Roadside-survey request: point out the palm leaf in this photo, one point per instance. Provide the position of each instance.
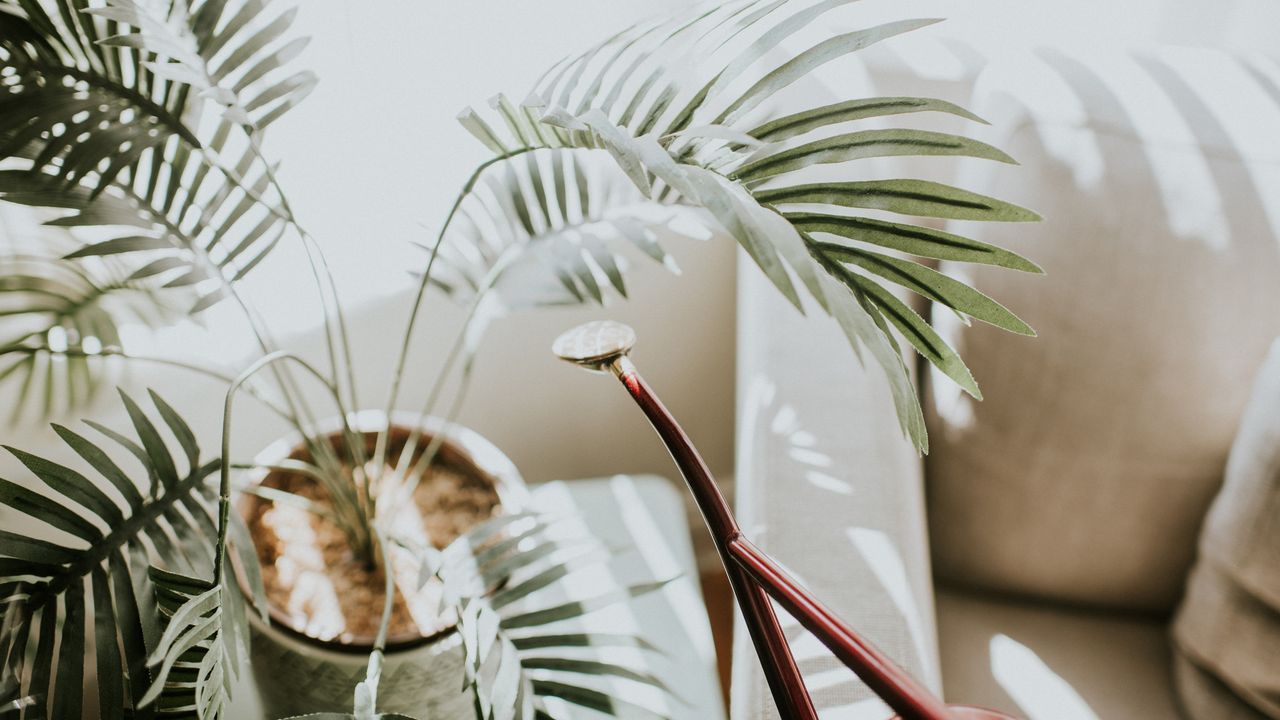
(192, 663)
(518, 647)
(550, 228)
(12, 701)
(84, 566)
(57, 317)
(700, 137)
(109, 119)
(103, 126)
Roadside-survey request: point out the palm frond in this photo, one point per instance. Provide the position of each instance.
(194, 661)
(108, 114)
(351, 716)
(12, 702)
(83, 568)
(521, 647)
(683, 106)
(60, 320)
(550, 228)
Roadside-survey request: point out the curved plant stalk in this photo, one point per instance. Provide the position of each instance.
(410, 479)
(365, 702)
(195, 655)
(334, 319)
(566, 222)
(402, 358)
(408, 472)
(353, 504)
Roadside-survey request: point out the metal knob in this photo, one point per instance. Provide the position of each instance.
(595, 345)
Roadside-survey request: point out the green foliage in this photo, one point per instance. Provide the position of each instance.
(554, 216)
(148, 125)
(195, 659)
(677, 106)
(60, 321)
(142, 130)
(82, 564)
(523, 648)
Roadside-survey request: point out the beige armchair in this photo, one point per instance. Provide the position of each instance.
(1031, 563)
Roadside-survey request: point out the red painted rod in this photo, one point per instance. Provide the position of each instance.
(753, 575)
(902, 693)
(779, 665)
(897, 688)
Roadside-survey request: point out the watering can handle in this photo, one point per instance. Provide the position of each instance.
(753, 575)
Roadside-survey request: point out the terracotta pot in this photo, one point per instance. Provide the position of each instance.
(421, 675)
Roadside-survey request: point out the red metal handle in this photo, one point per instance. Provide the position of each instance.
(898, 689)
(753, 575)
(779, 665)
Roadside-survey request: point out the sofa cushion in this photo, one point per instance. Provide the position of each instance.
(1045, 662)
(1202, 695)
(1085, 473)
(1228, 626)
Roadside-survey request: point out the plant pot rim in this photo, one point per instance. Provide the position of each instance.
(466, 444)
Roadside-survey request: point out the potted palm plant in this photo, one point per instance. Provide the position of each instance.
(139, 130)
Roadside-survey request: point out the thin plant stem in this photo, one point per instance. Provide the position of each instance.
(437, 441)
(415, 434)
(393, 393)
(388, 602)
(334, 319)
(301, 411)
(320, 451)
(364, 543)
(284, 212)
(419, 467)
(373, 670)
(257, 325)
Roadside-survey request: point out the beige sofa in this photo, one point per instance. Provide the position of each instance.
(1032, 561)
